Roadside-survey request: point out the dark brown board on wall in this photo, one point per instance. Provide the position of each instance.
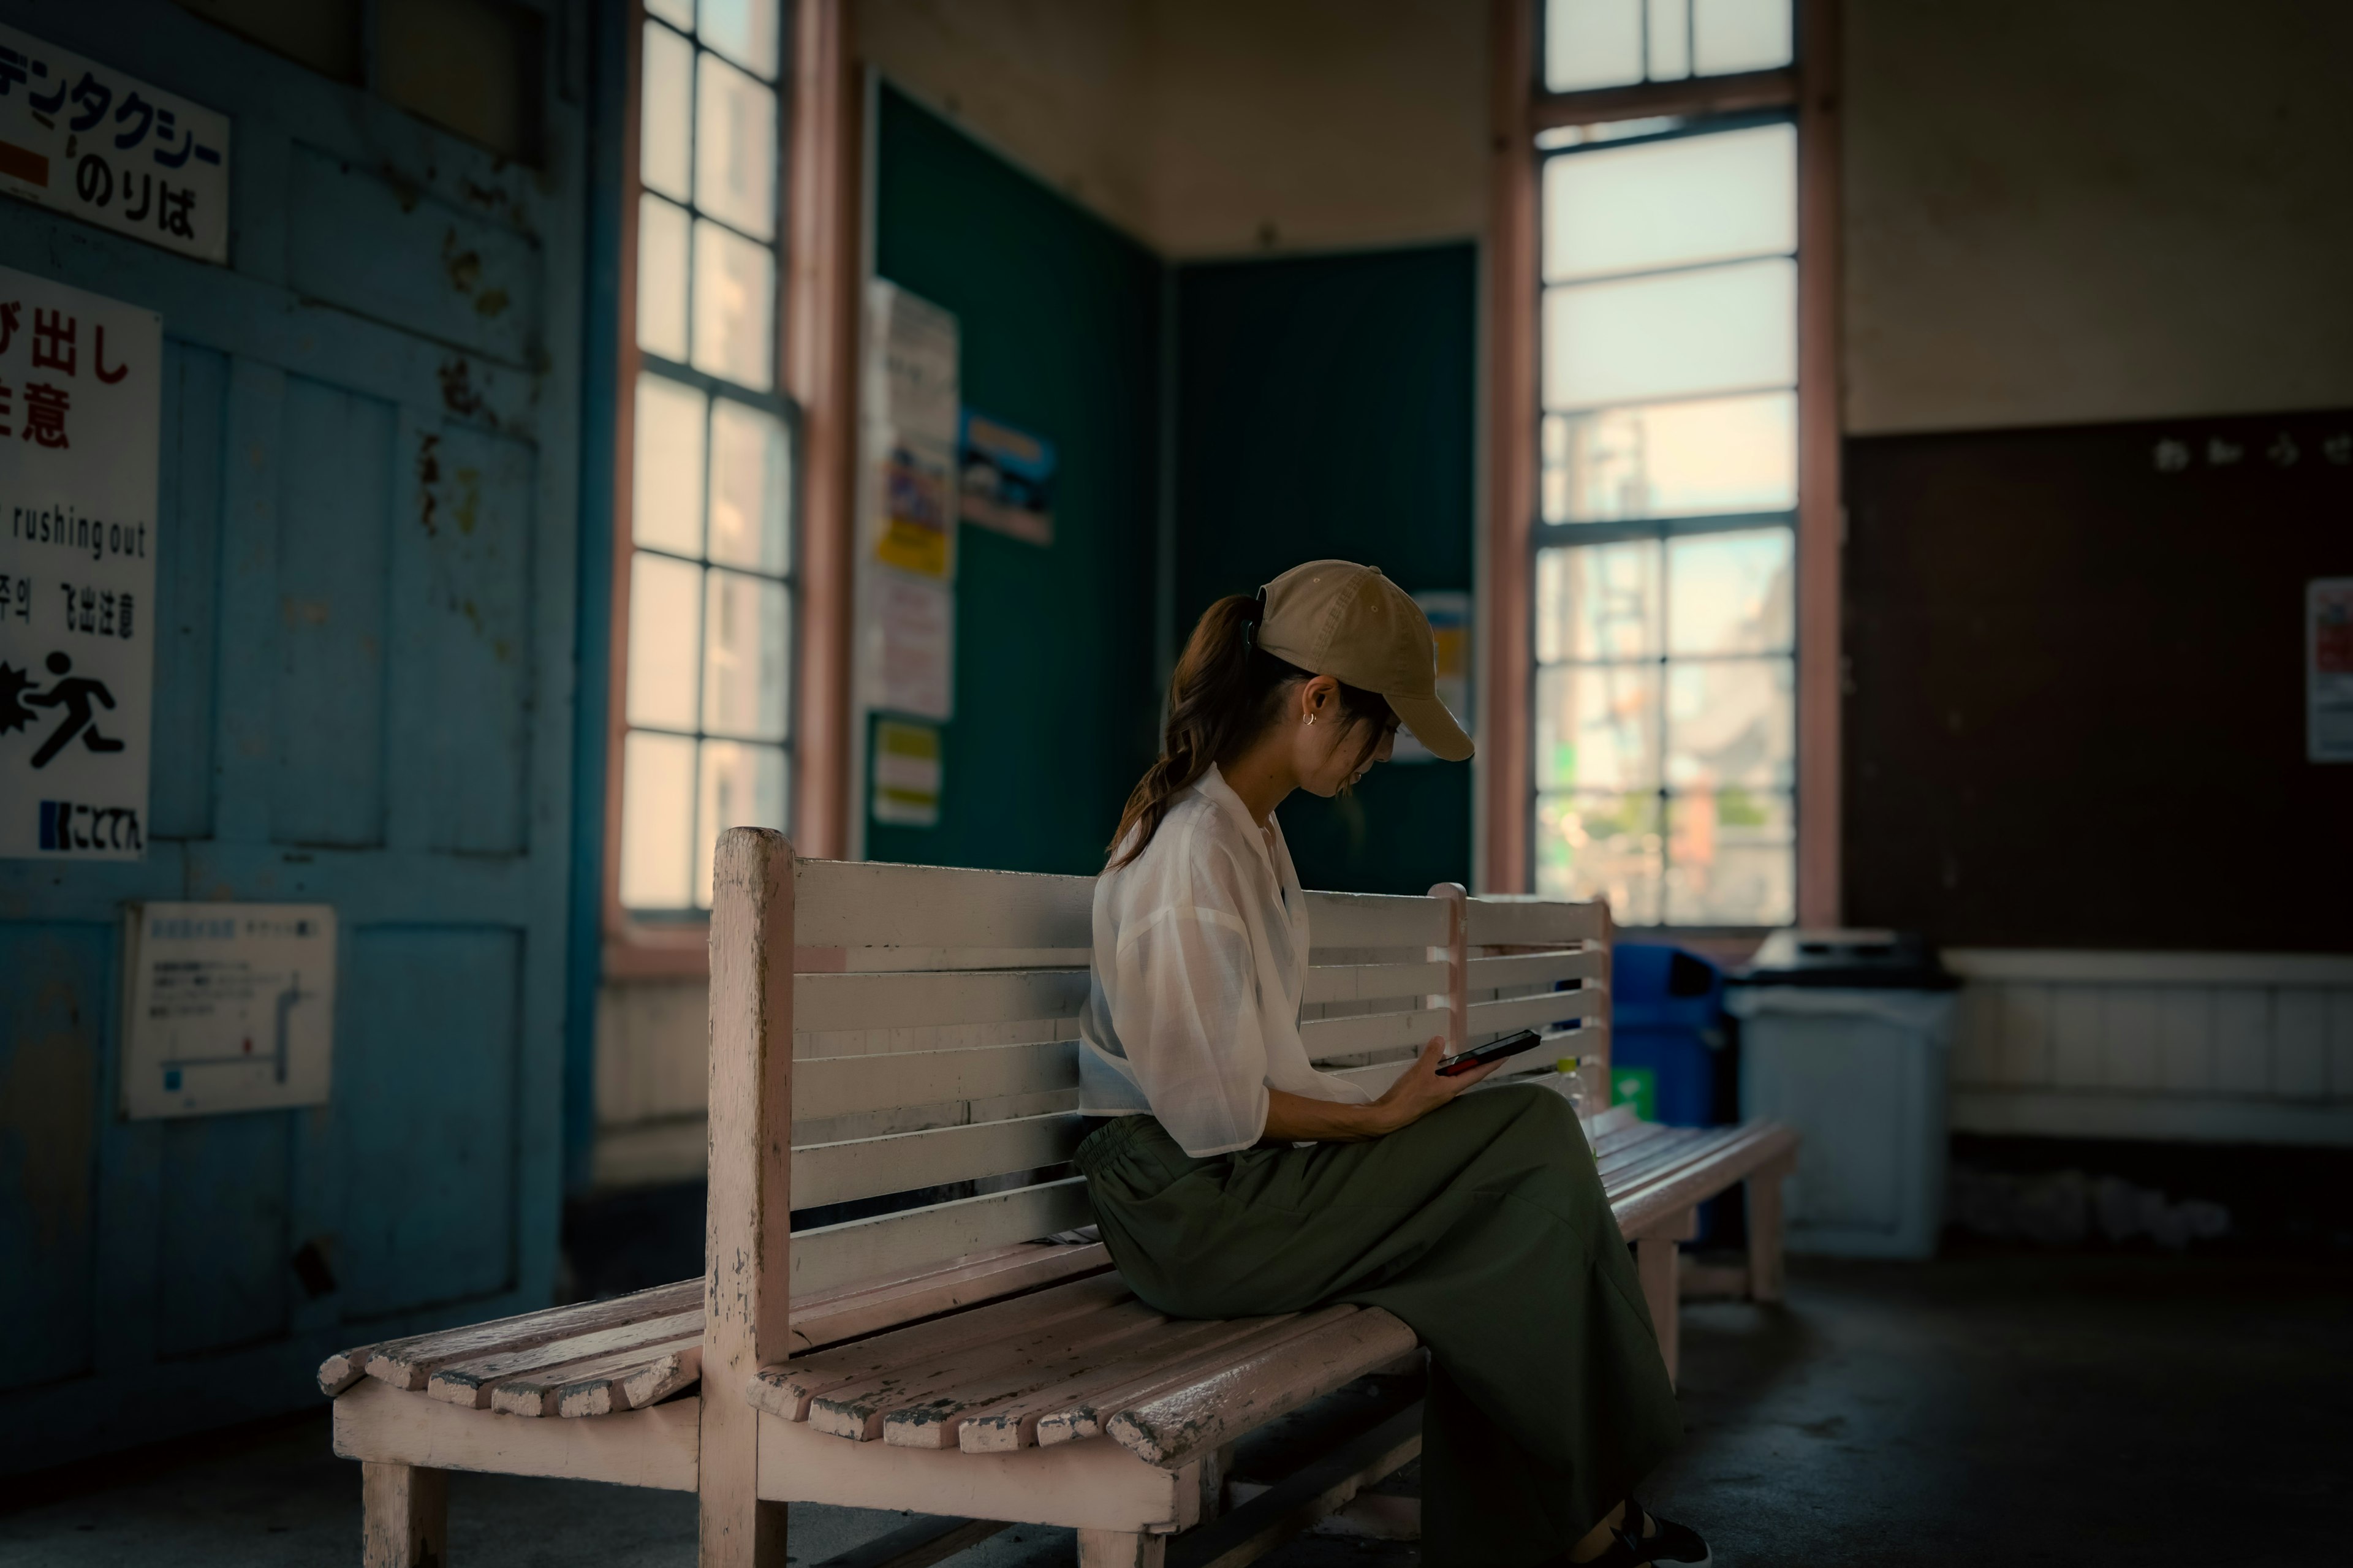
(2075, 701)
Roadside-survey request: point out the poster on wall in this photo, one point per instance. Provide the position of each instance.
(906, 773)
(1008, 479)
(229, 1007)
(80, 412)
(911, 429)
(910, 630)
(109, 148)
(1449, 630)
(2328, 670)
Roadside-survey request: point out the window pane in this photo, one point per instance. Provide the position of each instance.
(678, 13)
(743, 657)
(735, 148)
(1670, 204)
(1670, 39)
(1598, 726)
(1673, 460)
(661, 278)
(742, 786)
(666, 470)
(750, 476)
(734, 305)
(1739, 36)
(1730, 859)
(665, 607)
(1722, 329)
(743, 30)
(657, 821)
(1730, 723)
(1730, 593)
(1592, 43)
(1599, 601)
(665, 146)
(1601, 846)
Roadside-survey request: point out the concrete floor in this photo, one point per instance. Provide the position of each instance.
(1992, 1408)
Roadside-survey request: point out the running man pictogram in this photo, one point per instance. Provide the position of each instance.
(74, 696)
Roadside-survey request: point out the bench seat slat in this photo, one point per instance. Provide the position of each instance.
(1011, 1421)
(928, 1414)
(469, 1382)
(1089, 1419)
(868, 1167)
(839, 1254)
(1735, 1154)
(1168, 1429)
(857, 1410)
(409, 1362)
(787, 1389)
(1621, 1171)
(844, 1085)
(600, 1385)
(872, 1306)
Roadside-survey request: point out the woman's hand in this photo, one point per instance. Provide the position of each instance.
(1418, 1091)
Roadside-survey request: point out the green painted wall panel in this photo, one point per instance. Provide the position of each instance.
(1326, 408)
(1059, 321)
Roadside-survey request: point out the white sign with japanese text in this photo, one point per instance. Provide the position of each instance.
(80, 418)
(230, 1007)
(85, 139)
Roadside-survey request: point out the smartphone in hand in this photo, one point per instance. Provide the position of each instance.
(1493, 1051)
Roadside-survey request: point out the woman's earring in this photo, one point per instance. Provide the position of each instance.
(1310, 718)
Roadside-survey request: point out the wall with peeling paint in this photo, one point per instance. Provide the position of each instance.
(368, 524)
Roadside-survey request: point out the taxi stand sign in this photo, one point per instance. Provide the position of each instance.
(81, 411)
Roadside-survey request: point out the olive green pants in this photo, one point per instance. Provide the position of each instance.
(1483, 1226)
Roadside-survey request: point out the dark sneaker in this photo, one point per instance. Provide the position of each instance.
(1662, 1543)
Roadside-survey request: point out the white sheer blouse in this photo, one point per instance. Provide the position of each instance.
(1200, 954)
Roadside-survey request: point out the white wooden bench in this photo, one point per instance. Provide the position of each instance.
(882, 1029)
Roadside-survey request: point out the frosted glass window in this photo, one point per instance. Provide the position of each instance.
(1672, 459)
(1730, 723)
(661, 278)
(750, 475)
(735, 307)
(1598, 727)
(735, 148)
(1730, 859)
(741, 786)
(1592, 43)
(1731, 593)
(1596, 846)
(745, 31)
(665, 617)
(666, 112)
(1669, 34)
(1721, 329)
(1729, 36)
(1599, 601)
(666, 473)
(657, 821)
(1674, 203)
(744, 632)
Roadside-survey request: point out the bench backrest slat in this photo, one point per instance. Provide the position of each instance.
(841, 1254)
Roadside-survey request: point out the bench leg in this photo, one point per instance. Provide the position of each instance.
(1765, 1235)
(1121, 1549)
(1654, 1261)
(405, 1516)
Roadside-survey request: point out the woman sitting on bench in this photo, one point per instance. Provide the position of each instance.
(1231, 1179)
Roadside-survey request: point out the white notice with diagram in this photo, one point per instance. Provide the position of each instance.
(228, 1007)
(80, 412)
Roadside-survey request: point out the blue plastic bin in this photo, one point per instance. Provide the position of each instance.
(1667, 1021)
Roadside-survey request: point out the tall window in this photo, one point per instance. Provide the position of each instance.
(1664, 727)
(709, 563)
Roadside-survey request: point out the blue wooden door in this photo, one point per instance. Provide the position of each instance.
(363, 691)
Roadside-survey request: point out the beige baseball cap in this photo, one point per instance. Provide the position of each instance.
(1346, 621)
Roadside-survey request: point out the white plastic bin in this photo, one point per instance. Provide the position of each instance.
(1860, 1074)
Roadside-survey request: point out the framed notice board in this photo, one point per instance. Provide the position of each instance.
(2076, 698)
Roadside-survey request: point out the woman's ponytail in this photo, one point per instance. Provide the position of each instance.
(1224, 692)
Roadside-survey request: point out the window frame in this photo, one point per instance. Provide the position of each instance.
(676, 943)
(1806, 92)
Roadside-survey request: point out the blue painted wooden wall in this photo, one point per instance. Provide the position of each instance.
(363, 698)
